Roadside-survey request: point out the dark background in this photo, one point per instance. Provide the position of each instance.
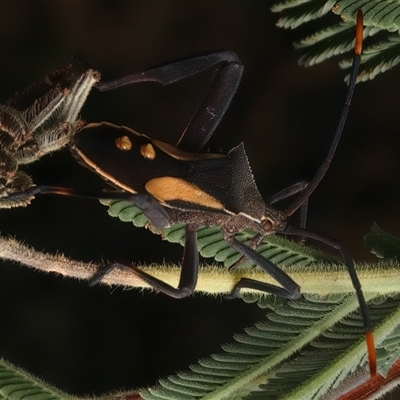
(90, 340)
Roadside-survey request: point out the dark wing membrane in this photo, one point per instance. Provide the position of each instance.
(229, 180)
(183, 180)
(95, 147)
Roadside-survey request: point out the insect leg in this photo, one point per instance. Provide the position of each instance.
(281, 195)
(349, 263)
(151, 208)
(290, 289)
(213, 107)
(216, 101)
(288, 192)
(291, 191)
(323, 169)
(189, 273)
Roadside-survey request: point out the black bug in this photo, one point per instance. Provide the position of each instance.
(182, 184)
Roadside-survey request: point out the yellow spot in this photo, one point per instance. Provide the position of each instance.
(147, 151)
(123, 143)
(169, 188)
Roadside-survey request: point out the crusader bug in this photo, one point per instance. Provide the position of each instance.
(203, 189)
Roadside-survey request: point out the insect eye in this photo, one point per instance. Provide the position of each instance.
(123, 143)
(267, 225)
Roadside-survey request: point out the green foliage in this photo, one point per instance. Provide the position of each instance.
(332, 37)
(212, 245)
(382, 244)
(303, 349)
(16, 384)
(299, 351)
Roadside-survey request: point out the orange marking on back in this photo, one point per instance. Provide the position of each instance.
(169, 188)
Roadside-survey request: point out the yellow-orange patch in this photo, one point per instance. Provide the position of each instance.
(169, 188)
(123, 143)
(147, 151)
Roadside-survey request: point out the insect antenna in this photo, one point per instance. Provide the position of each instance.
(305, 194)
(323, 169)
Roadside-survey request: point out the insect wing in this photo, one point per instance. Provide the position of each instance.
(183, 180)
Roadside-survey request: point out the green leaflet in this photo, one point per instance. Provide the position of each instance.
(298, 352)
(382, 14)
(335, 37)
(211, 243)
(382, 244)
(324, 44)
(296, 13)
(16, 384)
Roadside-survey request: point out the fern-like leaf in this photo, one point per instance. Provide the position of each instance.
(382, 244)
(382, 14)
(211, 243)
(296, 13)
(336, 38)
(16, 384)
(301, 350)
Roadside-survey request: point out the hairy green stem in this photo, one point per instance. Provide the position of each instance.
(319, 278)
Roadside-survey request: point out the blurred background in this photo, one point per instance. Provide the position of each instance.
(92, 340)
